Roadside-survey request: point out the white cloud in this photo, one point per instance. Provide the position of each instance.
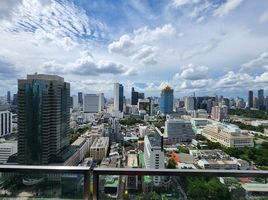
(263, 78)
(232, 79)
(7, 7)
(178, 3)
(260, 62)
(227, 7)
(192, 72)
(264, 17)
(142, 45)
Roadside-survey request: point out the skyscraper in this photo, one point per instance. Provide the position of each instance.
(80, 98)
(8, 97)
(250, 98)
(189, 103)
(261, 99)
(134, 97)
(43, 118)
(166, 101)
(118, 97)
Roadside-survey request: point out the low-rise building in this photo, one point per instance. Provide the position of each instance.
(217, 164)
(98, 149)
(7, 149)
(227, 135)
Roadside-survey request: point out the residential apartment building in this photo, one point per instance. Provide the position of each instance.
(5, 123)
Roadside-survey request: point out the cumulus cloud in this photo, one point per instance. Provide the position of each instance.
(263, 78)
(178, 3)
(142, 44)
(232, 79)
(87, 66)
(227, 7)
(192, 72)
(261, 61)
(264, 17)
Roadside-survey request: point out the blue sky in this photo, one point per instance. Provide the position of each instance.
(202, 46)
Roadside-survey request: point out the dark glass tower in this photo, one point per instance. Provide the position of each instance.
(166, 101)
(250, 99)
(121, 97)
(43, 118)
(134, 97)
(261, 98)
(80, 98)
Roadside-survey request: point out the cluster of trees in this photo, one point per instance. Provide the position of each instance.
(130, 121)
(257, 155)
(205, 188)
(258, 114)
(13, 183)
(171, 164)
(249, 127)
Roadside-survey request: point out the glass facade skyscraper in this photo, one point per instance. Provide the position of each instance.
(43, 118)
(118, 97)
(166, 100)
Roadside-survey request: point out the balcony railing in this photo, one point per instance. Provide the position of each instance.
(86, 172)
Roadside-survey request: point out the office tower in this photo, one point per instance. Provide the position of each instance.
(178, 130)
(114, 129)
(154, 154)
(250, 98)
(15, 99)
(255, 102)
(166, 100)
(189, 103)
(80, 98)
(91, 103)
(118, 97)
(101, 102)
(5, 123)
(134, 97)
(261, 99)
(141, 95)
(8, 97)
(43, 118)
(76, 105)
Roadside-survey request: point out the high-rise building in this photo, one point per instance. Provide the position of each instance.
(134, 97)
(250, 98)
(118, 97)
(189, 103)
(166, 100)
(5, 123)
(178, 130)
(261, 99)
(80, 98)
(8, 97)
(15, 99)
(154, 154)
(43, 118)
(101, 101)
(91, 103)
(141, 95)
(76, 105)
(219, 112)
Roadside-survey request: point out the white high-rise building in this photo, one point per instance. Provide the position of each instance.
(91, 103)
(5, 123)
(189, 103)
(118, 97)
(154, 154)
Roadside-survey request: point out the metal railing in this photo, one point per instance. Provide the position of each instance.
(96, 172)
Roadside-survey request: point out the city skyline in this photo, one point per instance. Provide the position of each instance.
(145, 45)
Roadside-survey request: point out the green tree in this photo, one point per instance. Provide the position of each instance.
(171, 164)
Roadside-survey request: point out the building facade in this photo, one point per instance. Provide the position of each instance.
(250, 99)
(99, 148)
(43, 118)
(118, 97)
(134, 97)
(227, 135)
(5, 123)
(154, 154)
(166, 100)
(178, 130)
(91, 103)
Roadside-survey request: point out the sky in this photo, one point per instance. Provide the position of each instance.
(203, 46)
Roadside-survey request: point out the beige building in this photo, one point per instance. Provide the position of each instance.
(227, 135)
(98, 149)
